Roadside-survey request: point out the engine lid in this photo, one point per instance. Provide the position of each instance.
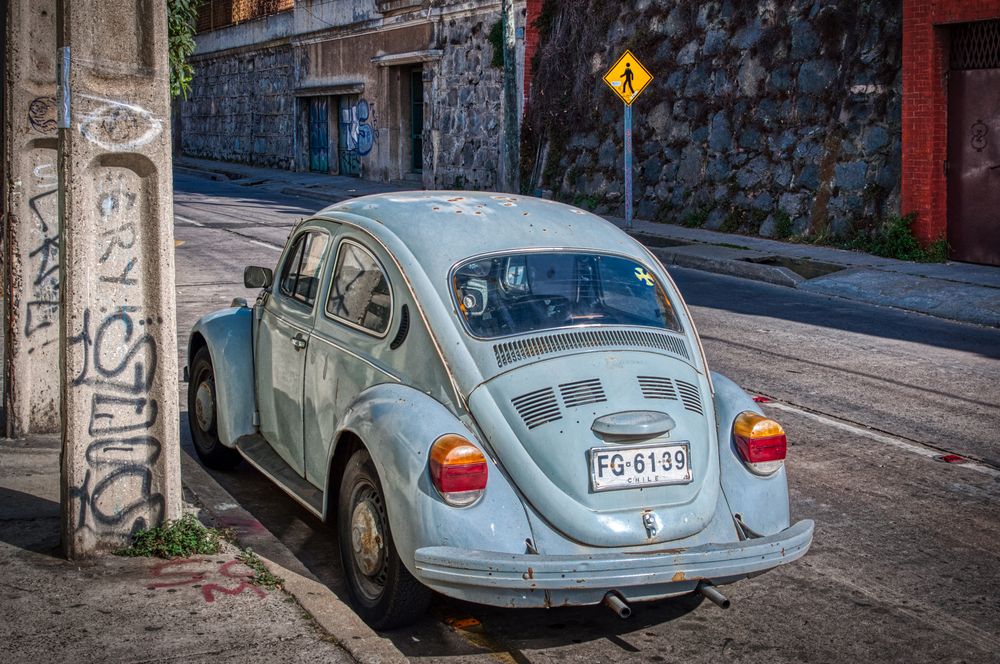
(573, 432)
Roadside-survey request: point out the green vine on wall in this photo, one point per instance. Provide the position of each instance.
(181, 17)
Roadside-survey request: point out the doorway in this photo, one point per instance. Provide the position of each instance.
(974, 143)
(417, 121)
(319, 134)
(348, 154)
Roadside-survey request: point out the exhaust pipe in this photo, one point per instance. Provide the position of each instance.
(616, 603)
(709, 591)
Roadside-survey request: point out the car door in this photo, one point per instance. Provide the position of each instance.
(350, 347)
(282, 344)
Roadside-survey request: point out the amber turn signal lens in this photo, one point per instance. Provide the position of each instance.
(458, 470)
(760, 441)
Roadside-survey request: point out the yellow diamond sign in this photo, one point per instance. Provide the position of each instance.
(627, 77)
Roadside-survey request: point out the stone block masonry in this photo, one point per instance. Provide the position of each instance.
(764, 117)
(242, 108)
(466, 107)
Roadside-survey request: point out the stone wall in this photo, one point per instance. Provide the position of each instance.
(241, 108)
(464, 104)
(775, 117)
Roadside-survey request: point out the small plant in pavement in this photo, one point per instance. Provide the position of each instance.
(261, 575)
(185, 536)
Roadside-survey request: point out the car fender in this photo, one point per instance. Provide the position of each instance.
(398, 424)
(229, 337)
(761, 502)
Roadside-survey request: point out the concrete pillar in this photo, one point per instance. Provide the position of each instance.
(120, 458)
(31, 228)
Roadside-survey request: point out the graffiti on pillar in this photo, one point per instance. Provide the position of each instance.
(116, 125)
(42, 114)
(118, 358)
(42, 263)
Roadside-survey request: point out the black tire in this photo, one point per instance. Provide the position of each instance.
(382, 590)
(203, 415)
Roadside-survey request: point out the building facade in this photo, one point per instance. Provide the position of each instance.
(379, 89)
(809, 118)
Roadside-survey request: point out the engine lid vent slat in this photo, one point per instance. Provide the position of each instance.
(583, 392)
(538, 407)
(690, 395)
(657, 387)
(519, 350)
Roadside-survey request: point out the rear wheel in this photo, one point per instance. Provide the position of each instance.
(203, 415)
(382, 590)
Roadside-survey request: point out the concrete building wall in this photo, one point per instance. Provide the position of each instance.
(255, 83)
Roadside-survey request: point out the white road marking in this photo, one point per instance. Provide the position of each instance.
(177, 217)
(900, 443)
(272, 247)
(266, 245)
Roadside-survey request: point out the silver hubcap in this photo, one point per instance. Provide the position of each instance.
(204, 406)
(366, 539)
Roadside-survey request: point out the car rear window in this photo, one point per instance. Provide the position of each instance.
(527, 292)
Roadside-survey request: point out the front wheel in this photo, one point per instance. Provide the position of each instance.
(203, 416)
(382, 590)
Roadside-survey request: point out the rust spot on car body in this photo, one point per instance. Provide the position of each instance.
(530, 574)
(667, 552)
(679, 576)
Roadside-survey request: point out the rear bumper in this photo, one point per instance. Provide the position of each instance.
(504, 579)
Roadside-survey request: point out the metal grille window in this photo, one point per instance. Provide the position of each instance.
(976, 45)
(215, 14)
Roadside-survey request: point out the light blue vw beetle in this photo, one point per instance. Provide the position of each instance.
(499, 398)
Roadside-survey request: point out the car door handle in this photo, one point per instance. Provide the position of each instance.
(299, 342)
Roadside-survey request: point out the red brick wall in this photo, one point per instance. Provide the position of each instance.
(534, 10)
(925, 106)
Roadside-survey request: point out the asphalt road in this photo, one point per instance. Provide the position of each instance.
(905, 566)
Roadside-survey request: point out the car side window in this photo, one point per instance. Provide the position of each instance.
(360, 294)
(300, 273)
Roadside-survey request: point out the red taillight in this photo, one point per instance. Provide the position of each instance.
(458, 470)
(761, 442)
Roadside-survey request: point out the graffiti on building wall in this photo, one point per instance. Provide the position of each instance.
(118, 358)
(357, 134)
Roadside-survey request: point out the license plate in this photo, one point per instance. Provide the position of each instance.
(639, 466)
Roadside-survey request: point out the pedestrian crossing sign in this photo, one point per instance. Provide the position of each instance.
(627, 78)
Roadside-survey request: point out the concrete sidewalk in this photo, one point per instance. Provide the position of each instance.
(955, 291)
(114, 609)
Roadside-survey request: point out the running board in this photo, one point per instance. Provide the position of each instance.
(262, 456)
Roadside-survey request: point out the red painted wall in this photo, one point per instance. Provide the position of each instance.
(534, 10)
(925, 106)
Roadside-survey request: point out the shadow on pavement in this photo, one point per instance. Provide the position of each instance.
(752, 298)
(452, 627)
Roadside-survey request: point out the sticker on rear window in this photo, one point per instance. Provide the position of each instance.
(642, 275)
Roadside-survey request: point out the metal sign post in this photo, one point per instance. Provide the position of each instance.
(627, 78)
(628, 166)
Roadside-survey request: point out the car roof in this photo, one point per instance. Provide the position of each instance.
(441, 228)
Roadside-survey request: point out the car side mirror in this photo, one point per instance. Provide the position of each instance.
(257, 277)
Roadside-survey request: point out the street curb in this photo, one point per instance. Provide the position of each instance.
(771, 274)
(316, 195)
(359, 640)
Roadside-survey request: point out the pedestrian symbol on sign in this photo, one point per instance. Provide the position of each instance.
(627, 78)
